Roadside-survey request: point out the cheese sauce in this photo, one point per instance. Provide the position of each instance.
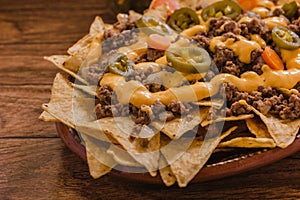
(241, 48)
(291, 58)
(137, 94)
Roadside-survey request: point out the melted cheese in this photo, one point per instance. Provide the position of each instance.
(245, 19)
(265, 3)
(193, 30)
(259, 40)
(261, 11)
(137, 94)
(241, 48)
(291, 58)
(271, 22)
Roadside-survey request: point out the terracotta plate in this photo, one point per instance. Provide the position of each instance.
(221, 165)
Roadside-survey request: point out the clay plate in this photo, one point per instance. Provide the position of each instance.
(219, 166)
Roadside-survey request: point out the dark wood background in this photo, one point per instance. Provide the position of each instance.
(35, 164)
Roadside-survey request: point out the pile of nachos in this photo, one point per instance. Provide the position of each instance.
(160, 92)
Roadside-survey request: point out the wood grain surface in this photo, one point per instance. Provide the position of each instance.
(35, 164)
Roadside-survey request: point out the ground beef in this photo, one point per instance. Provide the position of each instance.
(255, 26)
(295, 26)
(126, 23)
(218, 26)
(202, 40)
(125, 38)
(265, 99)
(103, 111)
(104, 94)
(222, 55)
(150, 56)
(95, 71)
(155, 87)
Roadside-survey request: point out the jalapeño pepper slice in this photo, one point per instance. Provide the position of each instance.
(290, 9)
(120, 64)
(226, 8)
(182, 19)
(189, 59)
(151, 25)
(285, 38)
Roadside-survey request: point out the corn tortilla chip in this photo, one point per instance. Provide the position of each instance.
(99, 161)
(67, 104)
(47, 117)
(283, 132)
(121, 156)
(120, 128)
(227, 119)
(58, 61)
(258, 128)
(194, 158)
(179, 126)
(249, 142)
(166, 173)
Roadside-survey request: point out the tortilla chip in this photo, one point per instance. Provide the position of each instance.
(179, 126)
(59, 60)
(99, 161)
(166, 173)
(227, 119)
(67, 104)
(249, 142)
(120, 128)
(194, 158)
(215, 103)
(89, 89)
(258, 128)
(121, 156)
(283, 132)
(47, 117)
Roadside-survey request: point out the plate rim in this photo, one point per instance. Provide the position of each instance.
(208, 173)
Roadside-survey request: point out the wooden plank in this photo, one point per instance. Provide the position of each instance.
(20, 107)
(53, 172)
(48, 22)
(20, 70)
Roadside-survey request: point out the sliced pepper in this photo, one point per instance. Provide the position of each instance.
(290, 9)
(189, 59)
(226, 8)
(182, 19)
(285, 38)
(151, 25)
(120, 64)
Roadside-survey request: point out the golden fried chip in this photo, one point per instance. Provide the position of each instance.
(120, 128)
(177, 127)
(58, 61)
(67, 104)
(258, 128)
(166, 173)
(47, 117)
(283, 132)
(194, 158)
(99, 161)
(121, 156)
(227, 119)
(249, 142)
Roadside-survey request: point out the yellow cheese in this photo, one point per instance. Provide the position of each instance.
(261, 11)
(291, 58)
(193, 30)
(137, 94)
(241, 48)
(259, 40)
(271, 22)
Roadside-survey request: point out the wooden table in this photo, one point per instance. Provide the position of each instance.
(35, 164)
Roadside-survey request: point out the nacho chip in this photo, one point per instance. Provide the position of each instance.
(120, 128)
(67, 104)
(283, 132)
(249, 142)
(227, 119)
(99, 161)
(58, 61)
(177, 127)
(215, 103)
(194, 158)
(121, 156)
(166, 173)
(47, 117)
(258, 128)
